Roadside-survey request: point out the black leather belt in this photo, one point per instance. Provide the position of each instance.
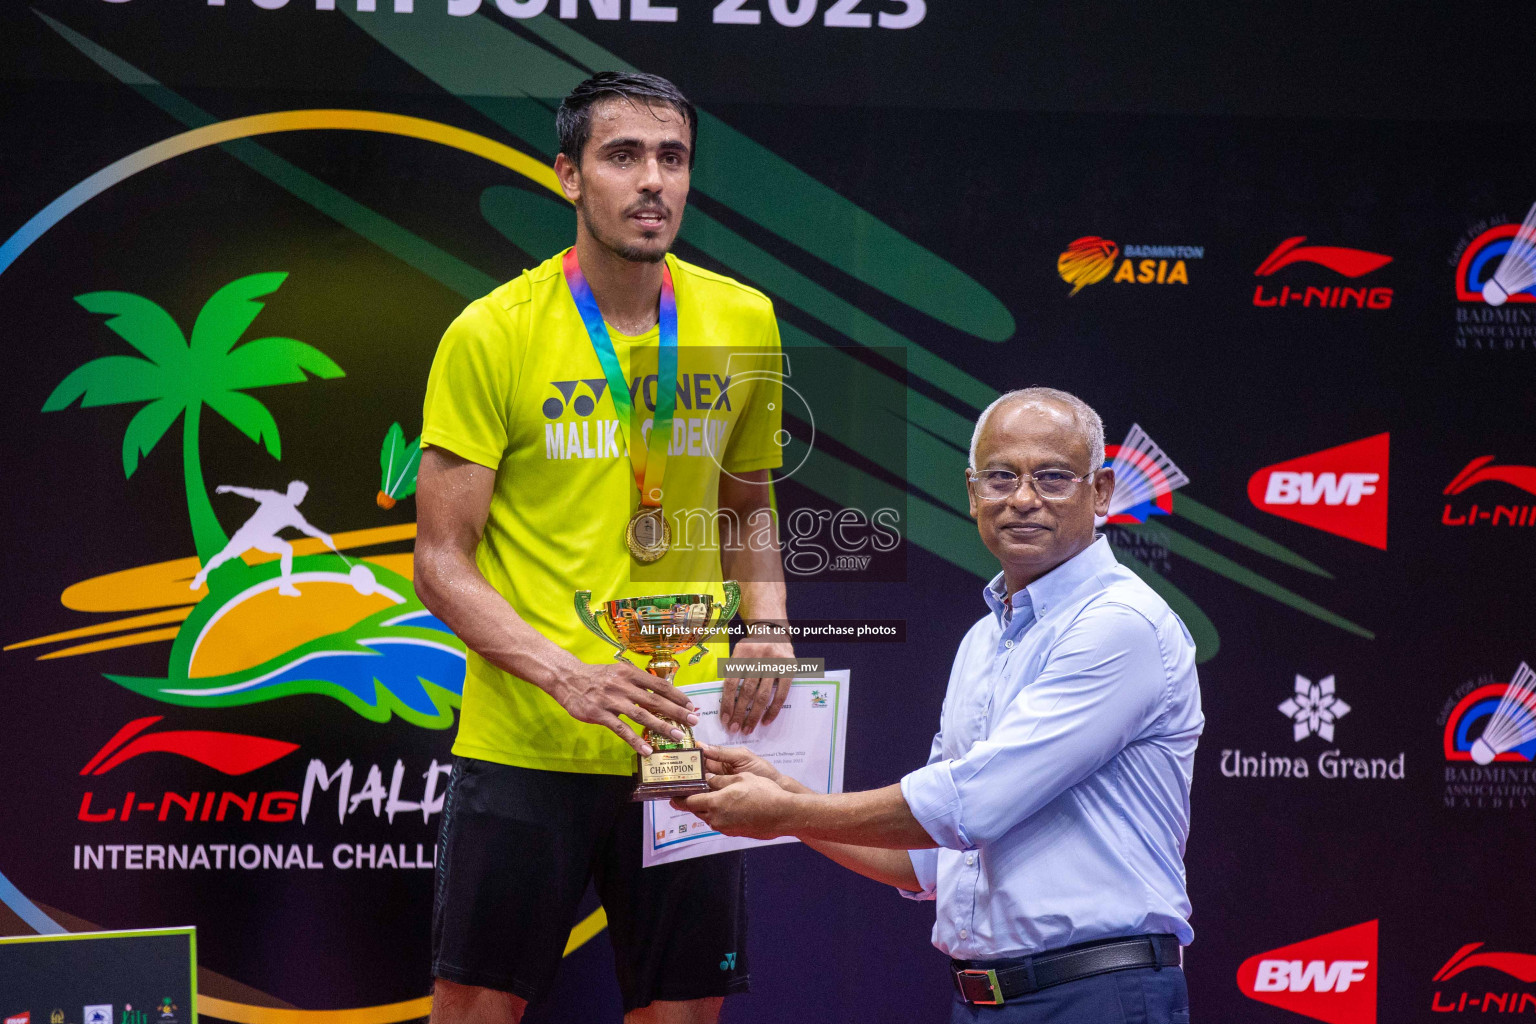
(991, 982)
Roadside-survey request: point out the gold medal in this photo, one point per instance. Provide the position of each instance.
(648, 535)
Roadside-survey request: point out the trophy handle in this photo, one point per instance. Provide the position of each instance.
(590, 621)
(732, 601)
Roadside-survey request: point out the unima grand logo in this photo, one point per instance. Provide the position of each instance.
(1090, 259)
(1313, 709)
(1486, 508)
(1328, 292)
(1339, 490)
(1330, 978)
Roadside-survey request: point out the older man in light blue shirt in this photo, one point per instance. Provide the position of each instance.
(1050, 820)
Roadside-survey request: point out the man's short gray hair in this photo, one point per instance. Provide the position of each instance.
(1092, 424)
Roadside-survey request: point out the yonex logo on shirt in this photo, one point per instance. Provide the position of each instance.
(701, 391)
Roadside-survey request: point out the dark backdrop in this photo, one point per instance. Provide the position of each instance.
(959, 159)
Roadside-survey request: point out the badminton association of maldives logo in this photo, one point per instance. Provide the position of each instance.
(1495, 285)
(1330, 978)
(1340, 490)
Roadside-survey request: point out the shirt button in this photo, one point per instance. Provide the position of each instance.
(964, 934)
(1008, 644)
(970, 859)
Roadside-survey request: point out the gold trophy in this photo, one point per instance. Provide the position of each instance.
(662, 627)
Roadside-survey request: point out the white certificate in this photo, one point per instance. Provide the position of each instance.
(806, 741)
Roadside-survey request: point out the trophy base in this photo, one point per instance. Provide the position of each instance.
(666, 790)
(670, 772)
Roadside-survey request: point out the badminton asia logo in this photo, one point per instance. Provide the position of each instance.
(1496, 286)
(1342, 262)
(1330, 978)
(261, 616)
(1340, 490)
(1090, 259)
(1485, 991)
(1487, 511)
(1489, 741)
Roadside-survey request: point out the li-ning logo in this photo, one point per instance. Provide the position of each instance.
(1340, 490)
(1481, 470)
(1480, 999)
(1330, 978)
(229, 752)
(1351, 263)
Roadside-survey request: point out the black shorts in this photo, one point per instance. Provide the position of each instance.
(514, 855)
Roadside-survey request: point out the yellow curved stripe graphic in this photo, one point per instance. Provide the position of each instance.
(266, 124)
(244, 1013)
(387, 1013)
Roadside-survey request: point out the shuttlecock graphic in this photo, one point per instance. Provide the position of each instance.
(1087, 261)
(1314, 708)
(1517, 271)
(1144, 478)
(1513, 722)
(399, 462)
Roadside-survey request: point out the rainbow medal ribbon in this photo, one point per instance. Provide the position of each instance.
(648, 535)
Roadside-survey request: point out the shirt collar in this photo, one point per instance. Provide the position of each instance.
(1051, 589)
(994, 594)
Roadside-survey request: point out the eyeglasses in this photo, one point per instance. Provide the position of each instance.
(999, 484)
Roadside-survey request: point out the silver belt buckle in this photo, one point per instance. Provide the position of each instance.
(985, 983)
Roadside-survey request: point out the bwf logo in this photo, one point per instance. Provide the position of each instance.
(1329, 978)
(1308, 975)
(1310, 488)
(1340, 490)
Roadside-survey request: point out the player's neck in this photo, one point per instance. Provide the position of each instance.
(627, 292)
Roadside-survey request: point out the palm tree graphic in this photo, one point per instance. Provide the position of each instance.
(178, 377)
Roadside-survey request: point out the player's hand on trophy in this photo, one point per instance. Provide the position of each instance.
(744, 703)
(737, 761)
(599, 694)
(742, 805)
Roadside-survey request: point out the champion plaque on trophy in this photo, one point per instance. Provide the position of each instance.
(662, 627)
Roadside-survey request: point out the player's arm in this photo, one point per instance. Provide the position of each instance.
(453, 499)
(244, 492)
(305, 526)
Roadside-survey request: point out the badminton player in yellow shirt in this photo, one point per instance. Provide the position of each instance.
(531, 488)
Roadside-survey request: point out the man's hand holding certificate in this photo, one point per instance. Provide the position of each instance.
(805, 742)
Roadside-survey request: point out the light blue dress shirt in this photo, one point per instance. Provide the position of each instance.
(1058, 784)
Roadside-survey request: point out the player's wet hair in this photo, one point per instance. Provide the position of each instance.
(573, 121)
